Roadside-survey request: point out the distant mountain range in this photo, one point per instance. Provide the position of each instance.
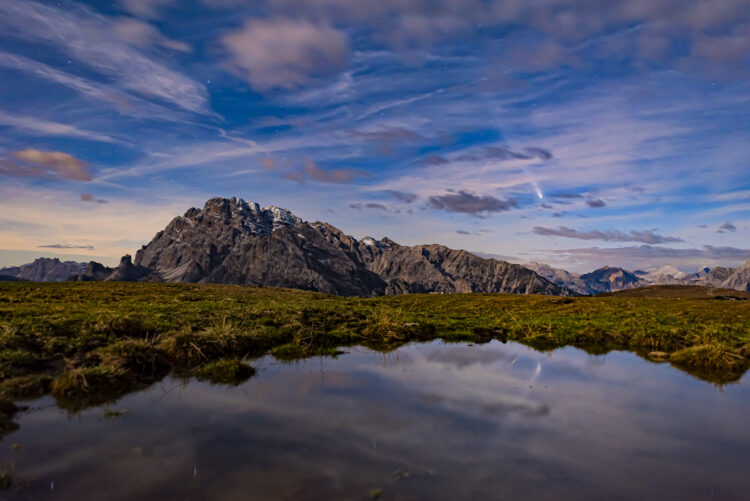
(233, 241)
(43, 270)
(610, 279)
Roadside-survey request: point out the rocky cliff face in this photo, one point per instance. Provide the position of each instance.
(662, 276)
(93, 272)
(714, 277)
(739, 279)
(237, 242)
(45, 270)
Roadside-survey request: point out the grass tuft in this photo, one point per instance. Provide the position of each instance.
(225, 371)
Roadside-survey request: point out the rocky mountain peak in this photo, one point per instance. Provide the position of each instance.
(244, 215)
(371, 242)
(666, 270)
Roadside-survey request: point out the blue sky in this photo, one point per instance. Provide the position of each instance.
(578, 133)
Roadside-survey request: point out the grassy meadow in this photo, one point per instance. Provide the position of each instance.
(89, 343)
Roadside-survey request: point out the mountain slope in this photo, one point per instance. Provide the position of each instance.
(714, 277)
(660, 276)
(237, 242)
(740, 279)
(608, 279)
(561, 278)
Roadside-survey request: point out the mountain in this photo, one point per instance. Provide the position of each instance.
(232, 241)
(608, 279)
(714, 277)
(561, 278)
(659, 276)
(45, 269)
(739, 279)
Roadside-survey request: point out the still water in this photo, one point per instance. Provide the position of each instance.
(427, 421)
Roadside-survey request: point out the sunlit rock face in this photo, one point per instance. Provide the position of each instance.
(234, 241)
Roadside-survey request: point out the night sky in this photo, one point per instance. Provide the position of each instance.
(577, 133)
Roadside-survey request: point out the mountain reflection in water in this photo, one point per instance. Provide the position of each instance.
(427, 421)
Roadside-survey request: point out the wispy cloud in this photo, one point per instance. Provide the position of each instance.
(86, 36)
(46, 128)
(648, 236)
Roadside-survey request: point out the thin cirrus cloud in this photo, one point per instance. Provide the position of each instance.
(87, 37)
(123, 102)
(647, 237)
(470, 203)
(285, 53)
(34, 163)
(47, 128)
